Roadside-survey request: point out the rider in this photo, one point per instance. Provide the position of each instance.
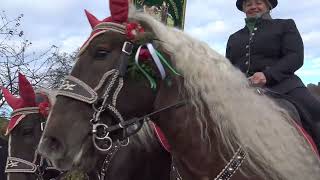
(269, 51)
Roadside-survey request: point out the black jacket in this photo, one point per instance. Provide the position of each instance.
(274, 47)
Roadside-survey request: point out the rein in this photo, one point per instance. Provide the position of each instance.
(125, 124)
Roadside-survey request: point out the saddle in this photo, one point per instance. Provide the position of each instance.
(295, 110)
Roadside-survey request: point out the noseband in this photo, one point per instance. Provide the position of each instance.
(40, 165)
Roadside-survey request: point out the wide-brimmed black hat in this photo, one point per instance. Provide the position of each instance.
(273, 3)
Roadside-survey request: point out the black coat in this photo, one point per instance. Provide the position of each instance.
(274, 47)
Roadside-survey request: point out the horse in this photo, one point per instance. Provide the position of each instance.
(217, 125)
(24, 136)
(24, 131)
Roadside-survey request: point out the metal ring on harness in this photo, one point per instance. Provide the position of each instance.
(106, 140)
(95, 131)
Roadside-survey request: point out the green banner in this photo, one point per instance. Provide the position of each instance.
(170, 12)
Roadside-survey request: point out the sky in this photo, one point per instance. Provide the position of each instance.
(63, 23)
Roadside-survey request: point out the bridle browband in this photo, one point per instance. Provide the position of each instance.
(39, 166)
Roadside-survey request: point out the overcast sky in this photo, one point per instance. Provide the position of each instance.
(63, 23)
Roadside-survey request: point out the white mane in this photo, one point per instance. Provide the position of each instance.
(276, 149)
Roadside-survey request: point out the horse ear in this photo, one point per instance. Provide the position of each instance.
(119, 10)
(26, 91)
(92, 19)
(14, 102)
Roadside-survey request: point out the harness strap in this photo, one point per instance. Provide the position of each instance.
(135, 120)
(127, 49)
(75, 88)
(25, 111)
(232, 166)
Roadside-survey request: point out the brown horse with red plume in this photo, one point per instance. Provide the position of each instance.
(30, 110)
(215, 122)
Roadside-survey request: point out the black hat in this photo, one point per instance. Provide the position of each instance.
(273, 3)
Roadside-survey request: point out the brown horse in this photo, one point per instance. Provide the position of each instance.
(26, 127)
(217, 125)
(24, 131)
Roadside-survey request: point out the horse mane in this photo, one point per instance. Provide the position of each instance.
(237, 114)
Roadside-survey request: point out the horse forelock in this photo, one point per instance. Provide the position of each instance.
(276, 150)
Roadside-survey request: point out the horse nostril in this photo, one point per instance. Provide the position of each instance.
(53, 144)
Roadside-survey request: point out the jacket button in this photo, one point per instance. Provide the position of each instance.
(247, 46)
(247, 54)
(255, 29)
(246, 63)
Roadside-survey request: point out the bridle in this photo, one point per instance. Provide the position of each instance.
(39, 166)
(112, 83)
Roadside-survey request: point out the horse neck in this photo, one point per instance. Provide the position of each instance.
(191, 151)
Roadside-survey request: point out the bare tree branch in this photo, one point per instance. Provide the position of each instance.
(43, 69)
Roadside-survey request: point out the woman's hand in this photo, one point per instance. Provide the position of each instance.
(258, 79)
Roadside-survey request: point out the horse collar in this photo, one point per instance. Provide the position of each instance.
(227, 172)
(232, 166)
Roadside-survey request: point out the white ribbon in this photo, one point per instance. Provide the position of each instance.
(154, 57)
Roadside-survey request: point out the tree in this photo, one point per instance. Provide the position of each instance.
(44, 69)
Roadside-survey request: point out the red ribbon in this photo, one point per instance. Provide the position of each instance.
(133, 29)
(144, 54)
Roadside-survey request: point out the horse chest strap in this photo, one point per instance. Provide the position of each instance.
(232, 166)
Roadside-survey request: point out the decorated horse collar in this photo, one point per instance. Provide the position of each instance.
(227, 172)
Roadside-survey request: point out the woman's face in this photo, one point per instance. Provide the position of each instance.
(254, 7)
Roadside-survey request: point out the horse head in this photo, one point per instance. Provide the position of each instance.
(99, 81)
(24, 130)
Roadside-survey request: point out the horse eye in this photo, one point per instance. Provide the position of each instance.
(27, 132)
(101, 53)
